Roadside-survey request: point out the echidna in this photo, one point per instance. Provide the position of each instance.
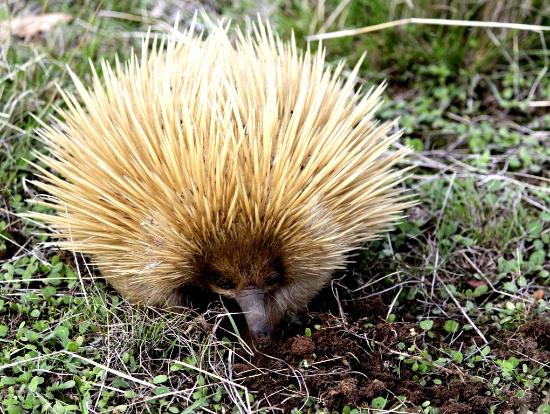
(244, 166)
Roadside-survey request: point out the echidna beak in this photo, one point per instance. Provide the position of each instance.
(252, 303)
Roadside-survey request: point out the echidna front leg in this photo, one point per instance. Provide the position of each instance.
(293, 297)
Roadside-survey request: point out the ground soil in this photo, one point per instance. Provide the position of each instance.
(355, 358)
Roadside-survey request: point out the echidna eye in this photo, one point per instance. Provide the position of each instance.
(216, 278)
(225, 284)
(273, 278)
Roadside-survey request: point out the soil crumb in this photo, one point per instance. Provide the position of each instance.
(302, 346)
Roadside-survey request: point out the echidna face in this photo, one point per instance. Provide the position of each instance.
(251, 275)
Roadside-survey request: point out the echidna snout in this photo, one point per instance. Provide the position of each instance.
(253, 303)
(240, 164)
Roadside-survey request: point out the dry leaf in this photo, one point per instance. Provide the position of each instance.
(32, 25)
(476, 283)
(539, 294)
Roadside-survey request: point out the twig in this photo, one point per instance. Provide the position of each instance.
(26, 361)
(334, 15)
(392, 304)
(423, 21)
(373, 282)
(445, 200)
(442, 368)
(462, 310)
(110, 370)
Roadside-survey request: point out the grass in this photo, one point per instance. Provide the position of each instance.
(454, 299)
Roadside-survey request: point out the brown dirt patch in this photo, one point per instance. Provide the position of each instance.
(454, 407)
(538, 330)
(353, 361)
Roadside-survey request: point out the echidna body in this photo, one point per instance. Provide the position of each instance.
(245, 167)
